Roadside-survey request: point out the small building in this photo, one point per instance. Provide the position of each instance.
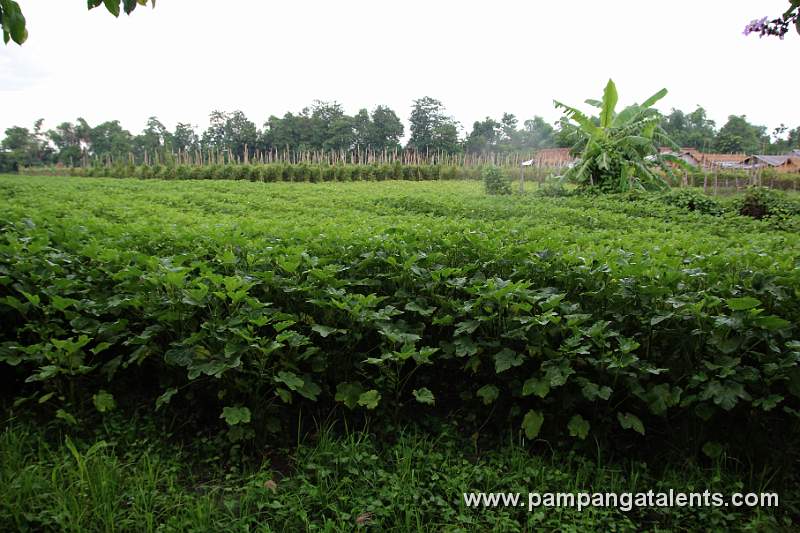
(551, 157)
(780, 163)
(708, 161)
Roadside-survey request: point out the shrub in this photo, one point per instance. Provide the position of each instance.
(693, 201)
(760, 202)
(494, 181)
(554, 188)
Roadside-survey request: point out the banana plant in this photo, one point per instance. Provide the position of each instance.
(618, 151)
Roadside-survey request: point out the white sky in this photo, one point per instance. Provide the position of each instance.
(187, 57)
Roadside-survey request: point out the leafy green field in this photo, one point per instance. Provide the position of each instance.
(621, 328)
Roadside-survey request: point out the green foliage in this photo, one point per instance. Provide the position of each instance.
(495, 181)
(618, 151)
(693, 200)
(236, 415)
(760, 202)
(300, 172)
(13, 22)
(432, 130)
(133, 479)
(263, 301)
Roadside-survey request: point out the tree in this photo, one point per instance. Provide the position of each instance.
(484, 137)
(779, 26)
(536, 134)
(68, 140)
(184, 138)
(22, 147)
(154, 138)
(19, 147)
(362, 126)
(110, 139)
(230, 132)
(739, 136)
(509, 139)
(13, 22)
(386, 129)
(619, 150)
(692, 130)
(431, 129)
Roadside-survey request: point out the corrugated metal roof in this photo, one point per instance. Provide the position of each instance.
(771, 160)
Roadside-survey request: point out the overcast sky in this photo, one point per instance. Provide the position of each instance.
(185, 58)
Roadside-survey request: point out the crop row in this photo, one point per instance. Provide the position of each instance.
(292, 172)
(567, 318)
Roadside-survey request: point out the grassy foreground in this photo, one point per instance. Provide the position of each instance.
(189, 355)
(132, 478)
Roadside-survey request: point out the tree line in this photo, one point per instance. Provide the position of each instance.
(324, 126)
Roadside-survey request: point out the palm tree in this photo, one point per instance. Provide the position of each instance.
(618, 151)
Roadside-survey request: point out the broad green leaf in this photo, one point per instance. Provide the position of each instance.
(609, 104)
(66, 417)
(650, 102)
(424, 395)
(629, 421)
(488, 393)
(505, 359)
(742, 304)
(165, 398)
(112, 6)
(712, 449)
(235, 415)
(103, 401)
(539, 387)
(323, 331)
(768, 403)
(726, 393)
(309, 389)
(46, 397)
(771, 322)
(348, 393)
(578, 427)
(592, 391)
(369, 399)
(532, 423)
(290, 379)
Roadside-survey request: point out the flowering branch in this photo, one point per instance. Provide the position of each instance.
(778, 27)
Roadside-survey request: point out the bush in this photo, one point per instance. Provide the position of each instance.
(554, 188)
(693, 201)
(760, 202)
(494, 181)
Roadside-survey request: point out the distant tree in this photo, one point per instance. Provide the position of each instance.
(537, 134)
(693, 130)
(184, 138)
(230, 132)
(485, 136)
(240, 133)
(155, 138)
(72, 141)
(793, 140)
(14, 26)
(22, 147)
(431, 128)
(362, 127)
(386, 129)
(510, 137)
(110, 139)
(19, 147)
(331, 129)
(739, 136)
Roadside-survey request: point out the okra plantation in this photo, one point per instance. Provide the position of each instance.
(348, 322)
